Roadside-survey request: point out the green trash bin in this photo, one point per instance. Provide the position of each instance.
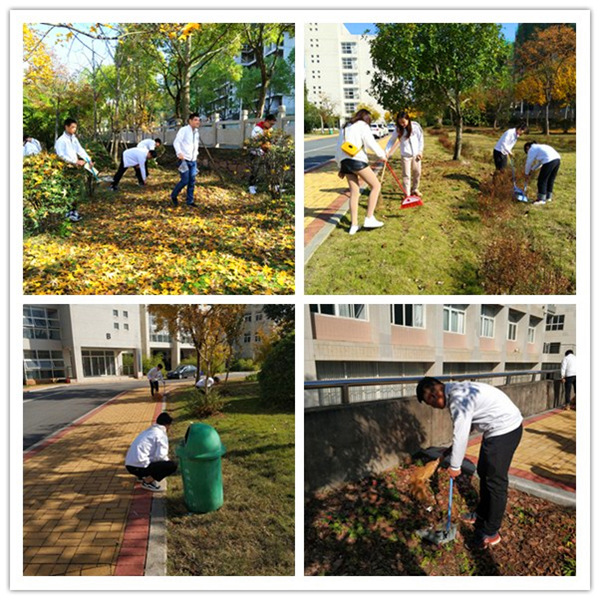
(200, 462)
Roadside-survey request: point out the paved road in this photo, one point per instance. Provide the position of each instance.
(48, 410)
(319, 151)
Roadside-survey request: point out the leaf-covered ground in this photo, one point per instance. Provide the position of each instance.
(135, 242)
(368, 528)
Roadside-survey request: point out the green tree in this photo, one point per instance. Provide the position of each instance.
(419, 63)
(283, 315)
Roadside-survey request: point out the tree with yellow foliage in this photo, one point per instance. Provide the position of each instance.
(546, 67)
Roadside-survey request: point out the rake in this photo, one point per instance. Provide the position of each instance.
(409, 201)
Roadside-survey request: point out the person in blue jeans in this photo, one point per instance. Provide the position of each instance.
(186, 149)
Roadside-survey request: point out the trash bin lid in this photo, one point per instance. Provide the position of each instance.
(201, 441)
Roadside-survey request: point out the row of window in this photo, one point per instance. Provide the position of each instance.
(248, 317)
(454, 318)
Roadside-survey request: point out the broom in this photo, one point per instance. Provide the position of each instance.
(409, 201)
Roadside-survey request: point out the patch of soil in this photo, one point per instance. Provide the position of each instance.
(369, 528)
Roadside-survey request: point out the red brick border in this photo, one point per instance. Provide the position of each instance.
(131, 560)
(320, 220)
(520, 472)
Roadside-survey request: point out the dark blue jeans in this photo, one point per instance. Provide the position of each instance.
(187, 179)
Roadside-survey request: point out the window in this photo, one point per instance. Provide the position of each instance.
(126, 314)
(512, 330)
(348, 47)
(348, 64)
(247, 318)
(126, 326)
(157, 335)
(43, 364)
(531, 334)
(552, 348)
(351, 94)
(555, 322)
(348, 311)
(349, 78)
(350, 107)
(487, 322)
(40, 323)
(256, 337)
(408, 315)
(247, 338)
(115, 313)
(98, 363)
(454, 318)
(115, 326)
(259, 317)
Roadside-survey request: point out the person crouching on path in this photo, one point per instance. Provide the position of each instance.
(154, 376)
(259, 131)
(68, 148)
(148, 455)
(547, 160)
(504, 146)
(409, 136)
(491, 411)
(186, 148)
(136, 158)
(357, 132)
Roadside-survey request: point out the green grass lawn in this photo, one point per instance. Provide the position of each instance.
(469, 237)
(253, 532)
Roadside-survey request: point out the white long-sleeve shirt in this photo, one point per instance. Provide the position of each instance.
(507, 141)
(482, 406)
(148, 144)
(538, 155)
(360, 135)
(69, 149)
(136, 157)
(149, 446)
(154, 374)
(186, 142)
(568, 366)
(31, 147)
(409, 145)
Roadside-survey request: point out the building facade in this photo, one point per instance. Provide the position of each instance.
(75, 342)
(345, 341)
(338, 66)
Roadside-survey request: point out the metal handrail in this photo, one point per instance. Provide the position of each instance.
(346, 384)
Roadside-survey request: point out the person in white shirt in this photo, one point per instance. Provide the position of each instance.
(259, 130)
(136, 158)
(148, 455)
(186, 148)
(504, 146)
(357, 131)
(547, 160)
(150, 144)
(568, 374)
(492, 412)
(31, 146)
(206, 383)
(154, 376)
(68, 148)
(409, 136)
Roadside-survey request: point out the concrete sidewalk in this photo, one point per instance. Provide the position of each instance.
(544, 463)
(83, 513)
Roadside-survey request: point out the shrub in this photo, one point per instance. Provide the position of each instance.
(203, 405)
(277, 160)
(243, 364)
(50, 188)
(276, 379)
(102, 159)
(148, 362)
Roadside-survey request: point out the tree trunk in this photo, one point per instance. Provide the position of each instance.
(547, 120)
(458, 127)
(322, 124)
(186, 81)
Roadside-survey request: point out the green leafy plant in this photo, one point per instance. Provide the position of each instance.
(276, 378)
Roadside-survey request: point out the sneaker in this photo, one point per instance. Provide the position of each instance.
(252, 189)
(174, 201)
(416, 193)
(73, 216)
(191, 204)
(153, 486)
(488, 540)
(469, 518)
(113, 188)
(539, 202)
(372, 223)
(353, 229)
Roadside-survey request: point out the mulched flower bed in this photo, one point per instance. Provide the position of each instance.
(369, 528)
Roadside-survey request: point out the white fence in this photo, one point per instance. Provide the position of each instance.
(214, 134)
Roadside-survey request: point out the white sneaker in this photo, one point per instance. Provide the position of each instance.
(252, 189)
(353, 229)
(539, 202)
(372, 223)
(153, 486)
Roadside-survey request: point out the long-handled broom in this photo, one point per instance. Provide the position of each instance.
(409, 201)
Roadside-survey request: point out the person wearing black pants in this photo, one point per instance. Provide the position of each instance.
(547, 160)
(479, 405)
(568, 374)
(148, 455)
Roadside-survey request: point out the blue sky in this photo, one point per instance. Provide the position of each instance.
(508, 29)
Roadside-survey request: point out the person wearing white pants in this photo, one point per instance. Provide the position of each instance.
(409, 136)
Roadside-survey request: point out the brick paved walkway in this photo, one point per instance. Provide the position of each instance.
(546, 453)
(78, 497)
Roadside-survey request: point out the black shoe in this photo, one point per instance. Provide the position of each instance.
(191, 204)
(174, 201)
(113, 188)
